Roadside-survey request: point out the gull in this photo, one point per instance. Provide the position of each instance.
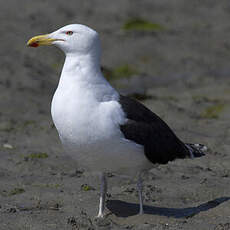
(99, 128)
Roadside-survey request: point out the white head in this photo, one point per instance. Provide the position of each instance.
(72, 39)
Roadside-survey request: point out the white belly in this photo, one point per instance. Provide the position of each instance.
(90, 134)
(110, 155)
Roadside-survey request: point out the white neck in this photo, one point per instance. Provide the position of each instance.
(83, 72)
(81, 67)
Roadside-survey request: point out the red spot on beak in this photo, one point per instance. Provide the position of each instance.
(34, 44)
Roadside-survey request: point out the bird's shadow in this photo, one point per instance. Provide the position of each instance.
(125, 209)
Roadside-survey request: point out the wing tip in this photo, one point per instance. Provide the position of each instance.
(196, 150)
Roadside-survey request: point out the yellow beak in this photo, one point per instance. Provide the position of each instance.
(41, 40)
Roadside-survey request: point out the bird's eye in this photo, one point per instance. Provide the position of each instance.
(69, 32)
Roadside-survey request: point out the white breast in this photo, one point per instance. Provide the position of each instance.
(89, 131)
(84, 121)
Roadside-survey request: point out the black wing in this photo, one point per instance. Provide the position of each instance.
(146, 128)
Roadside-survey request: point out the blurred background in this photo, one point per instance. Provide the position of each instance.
(172, 55)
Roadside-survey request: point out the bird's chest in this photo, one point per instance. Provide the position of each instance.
(82, 121)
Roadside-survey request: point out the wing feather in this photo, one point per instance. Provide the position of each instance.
(146, 128)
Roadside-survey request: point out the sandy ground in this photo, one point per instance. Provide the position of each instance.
(184, 73)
